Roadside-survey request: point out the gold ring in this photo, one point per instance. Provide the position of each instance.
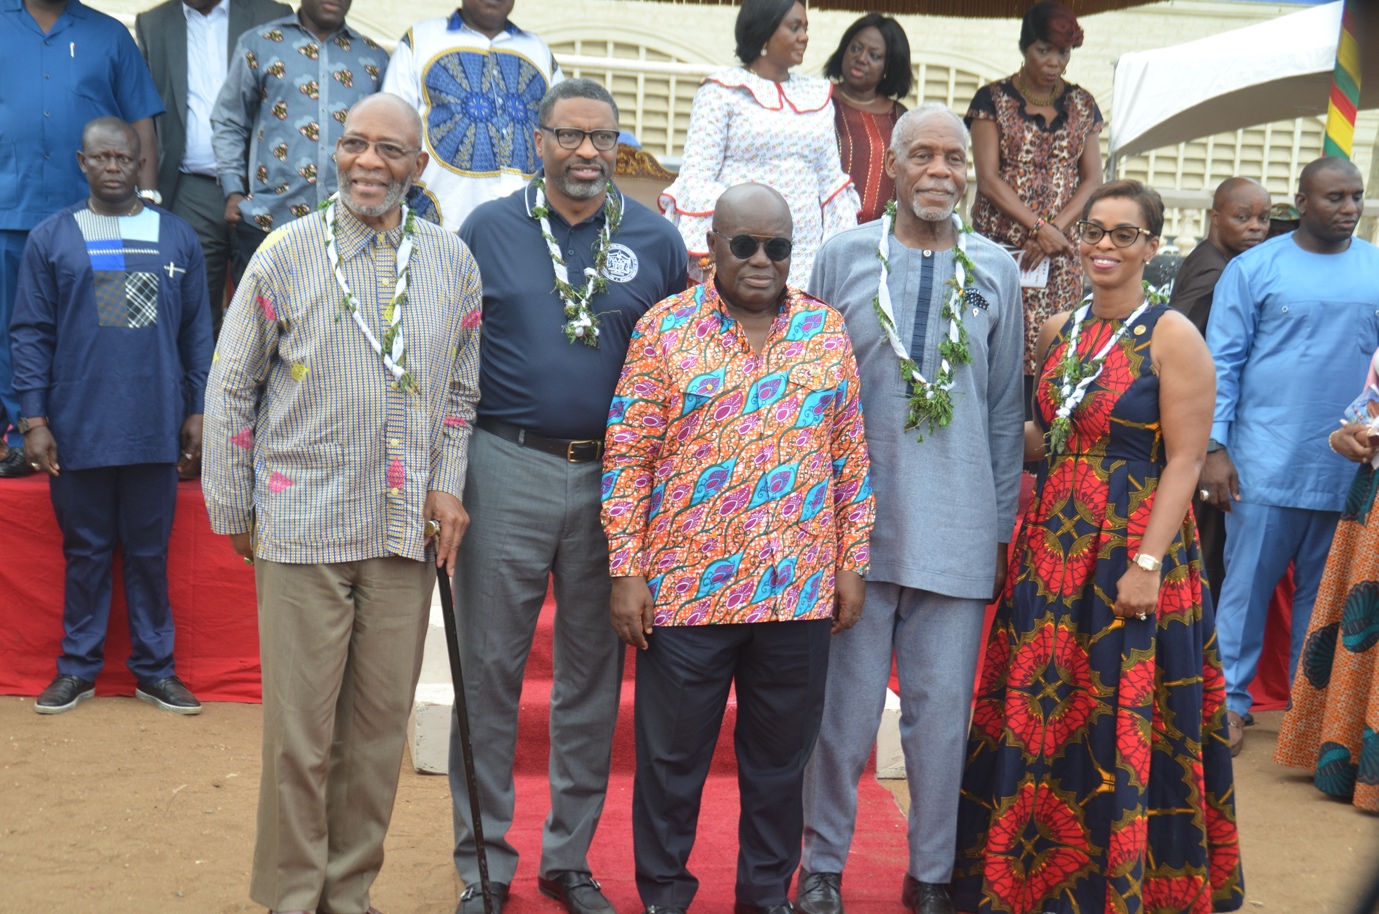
(34, 465)
(432, 528)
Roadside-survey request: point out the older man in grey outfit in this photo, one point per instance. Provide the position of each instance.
(946, 494)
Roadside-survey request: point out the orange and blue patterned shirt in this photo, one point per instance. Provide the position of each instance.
(736, 482)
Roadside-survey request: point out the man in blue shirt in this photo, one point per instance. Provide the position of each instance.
(558, 315)
(65, 65)
(1293, 324)
(112, 343)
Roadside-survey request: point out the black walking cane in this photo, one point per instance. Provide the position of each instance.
(452, 643)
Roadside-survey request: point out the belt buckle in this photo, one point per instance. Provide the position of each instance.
(570, 450)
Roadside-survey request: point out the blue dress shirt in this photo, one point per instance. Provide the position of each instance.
(1292, 333)
(86, 67)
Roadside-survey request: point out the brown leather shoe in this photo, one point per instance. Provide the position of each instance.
(1235, 730)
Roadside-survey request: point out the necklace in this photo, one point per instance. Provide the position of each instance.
(1023, 89)
(1076, 377)
(392, 350)
(930, 402)
(138, 204)
(581, 323)
(856, 101)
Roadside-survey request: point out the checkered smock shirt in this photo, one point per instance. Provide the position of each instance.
(307, 440)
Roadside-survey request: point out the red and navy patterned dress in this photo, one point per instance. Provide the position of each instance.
(1099, 773)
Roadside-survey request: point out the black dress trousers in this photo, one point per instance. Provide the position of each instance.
(683, 678)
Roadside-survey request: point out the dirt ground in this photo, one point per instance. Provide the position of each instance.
(117, 807)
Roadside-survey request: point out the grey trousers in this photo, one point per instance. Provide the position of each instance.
(341, 651)
(533, 516)
(936, 640)
(199, 200)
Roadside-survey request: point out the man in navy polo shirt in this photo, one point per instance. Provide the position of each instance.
(555, 335)
(66, 65)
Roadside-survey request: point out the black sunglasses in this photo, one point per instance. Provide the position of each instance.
(1122, 236)
(744, 247)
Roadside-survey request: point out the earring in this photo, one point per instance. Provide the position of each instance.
(763, 52)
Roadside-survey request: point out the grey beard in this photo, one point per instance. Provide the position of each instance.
(934, 213)
(579, 190)
(397, 190)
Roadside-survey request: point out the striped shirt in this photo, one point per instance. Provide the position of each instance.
(308, 443)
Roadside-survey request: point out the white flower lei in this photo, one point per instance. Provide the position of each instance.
(392, 350)
(1076, 377)
(581, 323)
(929, 401)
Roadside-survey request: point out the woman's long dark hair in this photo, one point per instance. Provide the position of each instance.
(896, 78)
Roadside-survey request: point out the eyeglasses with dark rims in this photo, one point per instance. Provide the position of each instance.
(1122, 236)
(744, 246)
(573, 137)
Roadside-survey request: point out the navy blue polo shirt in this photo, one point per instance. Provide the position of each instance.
(530, 374)
(86, 67)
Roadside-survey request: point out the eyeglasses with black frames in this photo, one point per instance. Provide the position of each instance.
(1122, 236)
(573, 137)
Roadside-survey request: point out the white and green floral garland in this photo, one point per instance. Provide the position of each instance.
(930, 401)
(1075, 376)
(581, 322)
(393, 349)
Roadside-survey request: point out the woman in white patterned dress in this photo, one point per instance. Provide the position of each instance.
(761, 123)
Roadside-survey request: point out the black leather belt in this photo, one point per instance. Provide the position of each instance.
(573, 451)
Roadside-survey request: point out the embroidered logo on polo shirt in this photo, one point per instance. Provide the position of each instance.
(621, 265)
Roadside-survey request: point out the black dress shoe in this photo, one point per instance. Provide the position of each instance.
(819, 893)
(926, 897)
(579, 892)
(784, 907)
(472, 900)
(63, 694)
(170, 695)
(662, 909)
(13, 465)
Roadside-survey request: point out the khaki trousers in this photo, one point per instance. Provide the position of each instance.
(340, 646)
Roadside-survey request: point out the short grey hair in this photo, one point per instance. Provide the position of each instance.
(916, 115)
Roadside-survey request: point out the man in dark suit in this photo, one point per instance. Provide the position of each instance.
(187, 44)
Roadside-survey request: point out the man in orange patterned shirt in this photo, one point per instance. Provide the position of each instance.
(738, 507)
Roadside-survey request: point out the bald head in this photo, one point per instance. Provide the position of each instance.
(751, 225)
(403, 116)
(1236, 189)
(1239, 215)
(109, 128)
(1314, 170)
(1330, 201)
(743, 206)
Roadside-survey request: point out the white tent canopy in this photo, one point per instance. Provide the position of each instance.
(1266, 72)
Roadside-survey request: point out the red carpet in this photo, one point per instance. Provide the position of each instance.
(874, 871)
(211, 589)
